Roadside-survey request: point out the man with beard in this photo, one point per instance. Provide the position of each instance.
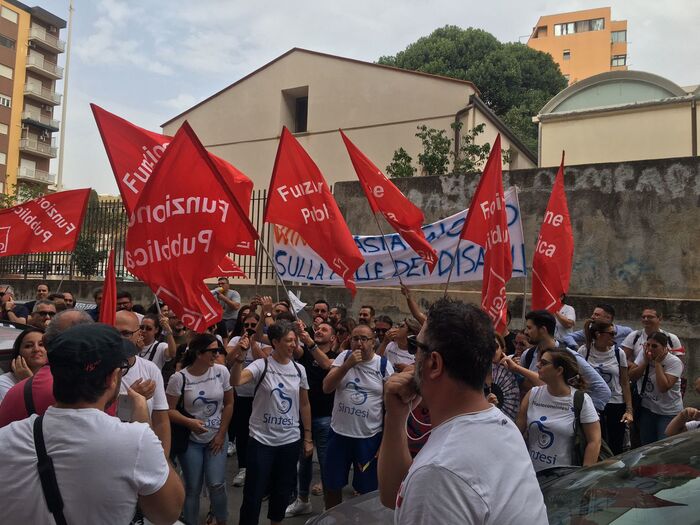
(366, 315)
(91, 467)
(454, 350)
(42, 294)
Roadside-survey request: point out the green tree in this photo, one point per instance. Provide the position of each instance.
(471, 156)
(401, 165)
(87, 258)
(24, 193)
(514, 80)
(435, 157)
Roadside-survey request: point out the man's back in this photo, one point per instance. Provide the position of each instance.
(475, 468)
(102, 465)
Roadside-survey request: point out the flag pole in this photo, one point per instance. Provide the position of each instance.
(157, 304)
(452, 264)
(269, 258)
(388, 249)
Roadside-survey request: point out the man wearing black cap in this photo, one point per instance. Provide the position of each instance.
(102, 467)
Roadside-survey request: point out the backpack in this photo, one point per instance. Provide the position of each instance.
(580, 441)
(529, 357)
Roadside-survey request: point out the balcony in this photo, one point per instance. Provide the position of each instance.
(38, 64)
(48, 123)
(38, 148)
(45, 95)
(33, 175)
(46, 40)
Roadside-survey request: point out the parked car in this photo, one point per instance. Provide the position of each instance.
(654, 484)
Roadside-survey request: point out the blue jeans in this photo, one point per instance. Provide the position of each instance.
(319, 430)
(652, 426)
(197, 463)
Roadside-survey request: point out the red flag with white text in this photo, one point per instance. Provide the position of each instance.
(46, 224)
(487, 225)
(554, 252)
(108, 306)
(299, 198)
(134, 152)
(181, 228)
(387, 199)
(228, 268)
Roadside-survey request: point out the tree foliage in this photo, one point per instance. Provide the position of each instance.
(514, 80)
(24, 193)
(87, 257)
(435, 157)
(401, 165)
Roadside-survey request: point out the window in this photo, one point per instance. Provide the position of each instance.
(301, 114)
(583, 26)
(540, 32)
(7, 42)
(567, 54)
(3, 158)
(619, 36)
(5, 101)
(597, 24)
(295, 109)
(564, 29)
(3, 129)
(619, 60)
(8, 14)
(5, 71)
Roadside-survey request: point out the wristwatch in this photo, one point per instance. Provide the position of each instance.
(268, 314)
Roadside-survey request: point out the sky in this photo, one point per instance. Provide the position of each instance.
(148, 60)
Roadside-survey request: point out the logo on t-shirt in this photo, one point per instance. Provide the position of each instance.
(545, 438)
(284, 402)
(607, 376)
(358, 396)
(209, 406)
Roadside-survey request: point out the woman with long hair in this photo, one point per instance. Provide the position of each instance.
(657, 372)
(238, 328)
(547, 418)
(395, 344)
(28, 356)
(610, 362)
(208, 399)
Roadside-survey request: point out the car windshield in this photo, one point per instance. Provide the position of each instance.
(659, 483)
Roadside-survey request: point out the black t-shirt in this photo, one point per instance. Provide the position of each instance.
(321, 404)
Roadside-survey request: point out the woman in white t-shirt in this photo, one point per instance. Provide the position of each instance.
(547, 418)
(610, 362)
(280, 400)
(208, 398)
(28, 356)
(657, 372)
(152, 327)
(394, 345)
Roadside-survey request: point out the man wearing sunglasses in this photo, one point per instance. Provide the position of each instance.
(474, 468)
(357, 377)
(42, 314)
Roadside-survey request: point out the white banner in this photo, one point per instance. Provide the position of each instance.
(295, 261)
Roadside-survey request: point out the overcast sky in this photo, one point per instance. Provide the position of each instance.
(148, 60)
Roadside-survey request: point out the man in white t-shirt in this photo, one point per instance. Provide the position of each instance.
(145, 377)
(357, 377)
(102, 467)
(633, 345)
(475, 467)
(566, 319)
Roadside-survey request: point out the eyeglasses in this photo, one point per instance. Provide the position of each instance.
(45, 314)
(544, 362)
(360, 339)
(128, 333)
(380, 330)
(250, 325)
(414, 344)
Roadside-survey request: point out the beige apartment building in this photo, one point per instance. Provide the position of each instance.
(583, 43)
(314, 94)
(619, 116)
(29, 49)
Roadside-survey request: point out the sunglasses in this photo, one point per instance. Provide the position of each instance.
(128, 333)
(414, 344)
(250, 325)
(45, 314)
(381, 330)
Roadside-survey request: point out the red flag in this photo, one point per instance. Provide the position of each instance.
(300, 199)
(134, 152)
(47, 224)
(108, 306)
(487, 225)
(387, 199)
(228, 268)
(182, 227)
(554, 253)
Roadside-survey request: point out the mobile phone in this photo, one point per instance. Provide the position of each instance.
(250, 332)
(125, 408)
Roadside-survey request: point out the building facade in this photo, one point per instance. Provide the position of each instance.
(619, 116)
(583, 43)
(29, 70)
(314, 94)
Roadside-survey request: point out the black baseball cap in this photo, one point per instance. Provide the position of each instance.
(90, 347)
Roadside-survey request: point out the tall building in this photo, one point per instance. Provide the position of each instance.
(29, 49)
(583, 43)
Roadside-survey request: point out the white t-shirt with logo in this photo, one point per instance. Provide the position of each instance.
(670, 402)
(550, 427)
(102, 466)
(7, 381)
(675, 345)
(473, 469)
(358, 403)
(398, 356)
(204, 397)
(247, 389)
(159, 357)
(144, 369)
(275, 417)
(560, 331)
(692, 425)
(605, 363)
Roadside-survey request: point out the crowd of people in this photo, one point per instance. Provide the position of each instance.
(383, 404)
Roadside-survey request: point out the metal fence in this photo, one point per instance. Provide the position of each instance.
(105, 228)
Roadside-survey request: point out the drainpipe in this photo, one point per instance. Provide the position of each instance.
(458, 116)
(694, 127)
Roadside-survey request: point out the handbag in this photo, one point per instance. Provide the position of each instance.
(580, 441)
(179, 434)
